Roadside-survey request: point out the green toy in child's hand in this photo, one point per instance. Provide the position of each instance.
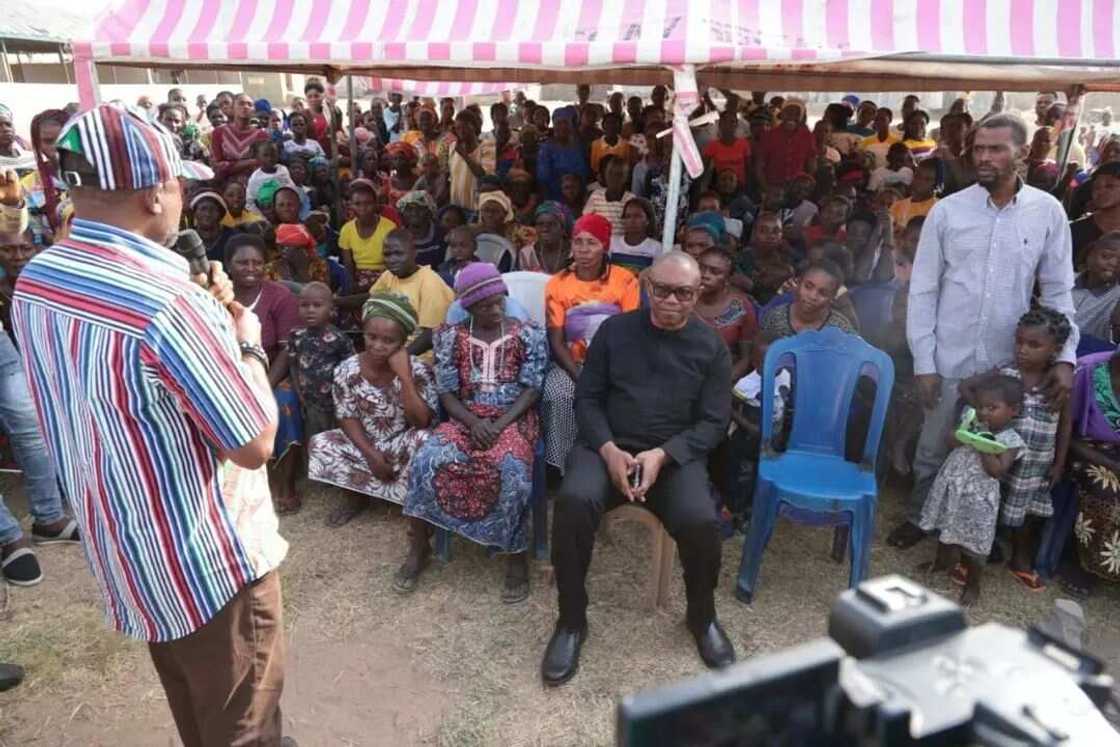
(970, 433)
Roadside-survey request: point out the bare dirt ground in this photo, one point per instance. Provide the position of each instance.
(449, 665)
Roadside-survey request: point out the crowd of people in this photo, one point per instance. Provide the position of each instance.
(392, 362)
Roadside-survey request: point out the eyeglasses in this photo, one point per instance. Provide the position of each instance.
(684, 293)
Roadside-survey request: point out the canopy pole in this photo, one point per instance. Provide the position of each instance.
(1071, 121)
(350, 119)
(328, 105)
(669, 229)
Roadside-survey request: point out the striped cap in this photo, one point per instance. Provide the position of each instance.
(123, 147)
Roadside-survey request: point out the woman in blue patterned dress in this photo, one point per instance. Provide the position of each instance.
(474, 475)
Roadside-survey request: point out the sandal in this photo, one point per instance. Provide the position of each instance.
(1077, 583)
(959, 574)
(342, 515)
(408, 575)
(516, 589)
(905, 536)
(1029, 579)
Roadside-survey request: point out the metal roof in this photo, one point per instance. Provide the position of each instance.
(29, 21)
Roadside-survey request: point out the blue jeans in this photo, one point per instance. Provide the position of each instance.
(18, 419)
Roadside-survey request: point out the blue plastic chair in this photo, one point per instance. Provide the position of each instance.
(811, 482)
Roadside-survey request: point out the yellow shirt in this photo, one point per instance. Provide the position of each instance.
(903, 211)
(428, 294)
(247, 216)
(872, 144)
(368, 254)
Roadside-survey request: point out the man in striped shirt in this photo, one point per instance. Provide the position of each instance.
(155, 405)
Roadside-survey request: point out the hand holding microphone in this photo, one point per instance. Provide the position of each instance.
(212, 277)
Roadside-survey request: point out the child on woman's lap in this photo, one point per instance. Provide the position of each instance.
(963, 503)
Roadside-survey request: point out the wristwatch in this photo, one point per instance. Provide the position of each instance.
(254, 351)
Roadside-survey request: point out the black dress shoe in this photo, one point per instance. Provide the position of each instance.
(714, 646)
(10, 676)
(561, 657)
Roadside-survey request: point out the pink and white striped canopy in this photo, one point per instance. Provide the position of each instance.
(566, 35)
(438, 88)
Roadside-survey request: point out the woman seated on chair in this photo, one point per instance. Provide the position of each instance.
(474, 476)
(385, 400)
(811, 307)
(577, 301)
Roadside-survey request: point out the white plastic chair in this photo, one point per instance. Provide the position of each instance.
(527, 288)
(492, 248)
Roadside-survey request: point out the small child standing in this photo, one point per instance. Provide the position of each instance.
(964, 500)
(1039, 338)
(746, 441)
(314, 351)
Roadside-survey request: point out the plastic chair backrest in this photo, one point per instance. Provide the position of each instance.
(527, 288)
(827, 365)
(872, 302)
(492, 248)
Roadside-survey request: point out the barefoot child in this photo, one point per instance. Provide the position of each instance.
(964, 500)
(314, 351)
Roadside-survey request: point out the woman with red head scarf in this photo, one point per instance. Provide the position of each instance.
(297, 261)
(577, 300)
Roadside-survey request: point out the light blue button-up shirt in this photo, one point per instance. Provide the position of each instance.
(974, 276)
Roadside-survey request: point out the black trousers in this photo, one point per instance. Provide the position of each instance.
(680, 499)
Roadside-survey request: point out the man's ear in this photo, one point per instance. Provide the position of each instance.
(153, 205)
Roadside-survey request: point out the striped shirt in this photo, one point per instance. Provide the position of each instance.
(139, 388)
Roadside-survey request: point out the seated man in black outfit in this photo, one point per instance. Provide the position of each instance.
(654, 397)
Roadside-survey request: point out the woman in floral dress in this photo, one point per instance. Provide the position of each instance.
(474, 475)
(384, 400)
(1095, 469)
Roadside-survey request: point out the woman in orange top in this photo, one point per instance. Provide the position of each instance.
(577, 300)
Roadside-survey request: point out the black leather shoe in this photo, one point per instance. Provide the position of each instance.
(714, 646)
(10, 676)
(561, 657)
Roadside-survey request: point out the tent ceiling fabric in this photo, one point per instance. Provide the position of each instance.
(824, 43)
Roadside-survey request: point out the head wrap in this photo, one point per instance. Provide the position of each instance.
(266, 193)
(559, 209)
(565, 112)
(500, 198)
(362, 135)
(404, 149)
(294, 234)
(6, 111)
(263, 106)
(851, 101)
(318, 161)
(392, 306)
(478, 281)
(797, 104)
(595, 225)
(417, 197)
(709, 221)
(208, 195)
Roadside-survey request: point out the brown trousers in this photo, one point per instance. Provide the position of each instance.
(223, 681)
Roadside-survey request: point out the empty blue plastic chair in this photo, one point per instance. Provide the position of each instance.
(811, 482)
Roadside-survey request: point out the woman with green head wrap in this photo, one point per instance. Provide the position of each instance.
(384, 400)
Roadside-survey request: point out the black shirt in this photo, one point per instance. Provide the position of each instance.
(644, 387)
(1084, 232)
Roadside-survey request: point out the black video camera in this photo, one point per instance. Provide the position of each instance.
(901, 667)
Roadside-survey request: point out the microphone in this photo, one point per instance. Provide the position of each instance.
(188, 245)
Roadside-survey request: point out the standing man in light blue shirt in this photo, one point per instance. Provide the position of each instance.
(981, 251)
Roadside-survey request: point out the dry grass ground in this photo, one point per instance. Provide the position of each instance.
(449, 665)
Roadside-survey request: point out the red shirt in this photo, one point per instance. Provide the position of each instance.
(786, 152)
(735, 156)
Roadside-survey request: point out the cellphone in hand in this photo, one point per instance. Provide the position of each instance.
(636, 477)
